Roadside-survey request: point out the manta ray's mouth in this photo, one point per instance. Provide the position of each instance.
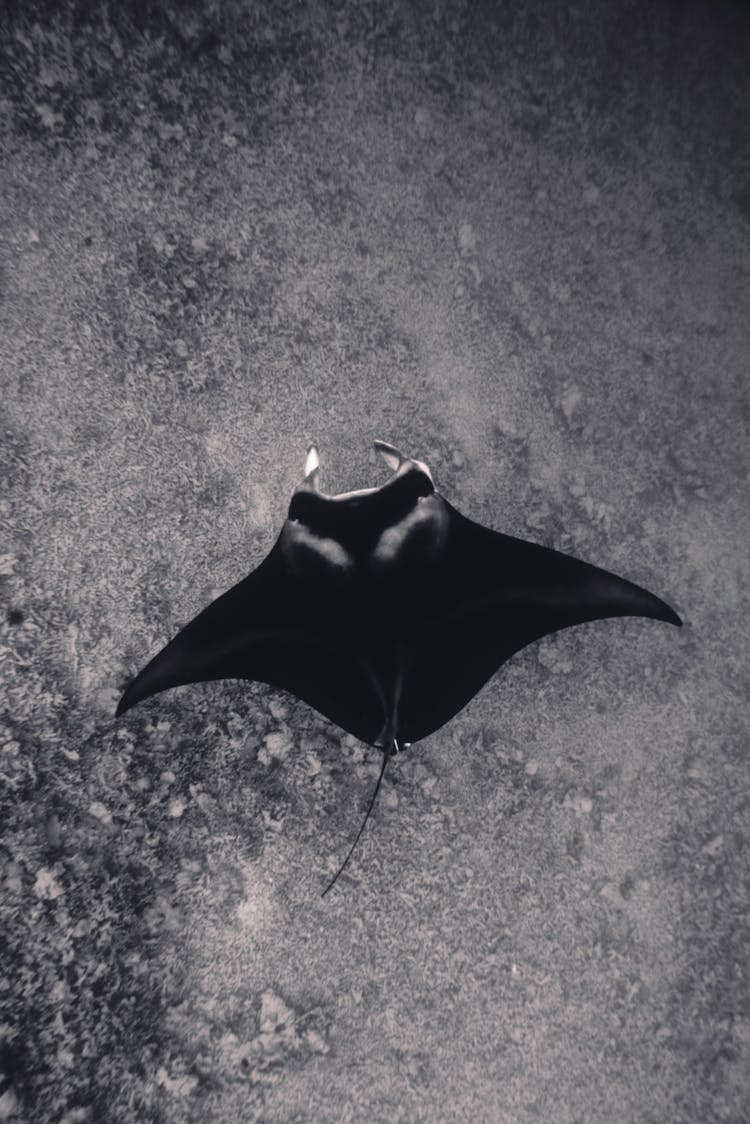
(396, 461)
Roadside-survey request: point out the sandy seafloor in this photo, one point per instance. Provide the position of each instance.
(514, 241)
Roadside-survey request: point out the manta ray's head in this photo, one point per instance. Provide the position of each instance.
(401, 466)
(392, 523)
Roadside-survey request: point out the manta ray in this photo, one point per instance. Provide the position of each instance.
(387, 610)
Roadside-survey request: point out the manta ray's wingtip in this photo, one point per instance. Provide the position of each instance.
(126, 701)
(136, 691)
(671, 617)
(659, 610)
(122, 706)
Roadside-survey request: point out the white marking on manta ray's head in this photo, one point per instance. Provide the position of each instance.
(312, 467)
(394, 458)
(312, 460)
(390, 454)
(333, 553)
(391, 543)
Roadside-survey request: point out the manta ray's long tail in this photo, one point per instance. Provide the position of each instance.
(392, 746)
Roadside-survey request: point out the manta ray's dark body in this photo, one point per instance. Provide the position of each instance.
(386, 609)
